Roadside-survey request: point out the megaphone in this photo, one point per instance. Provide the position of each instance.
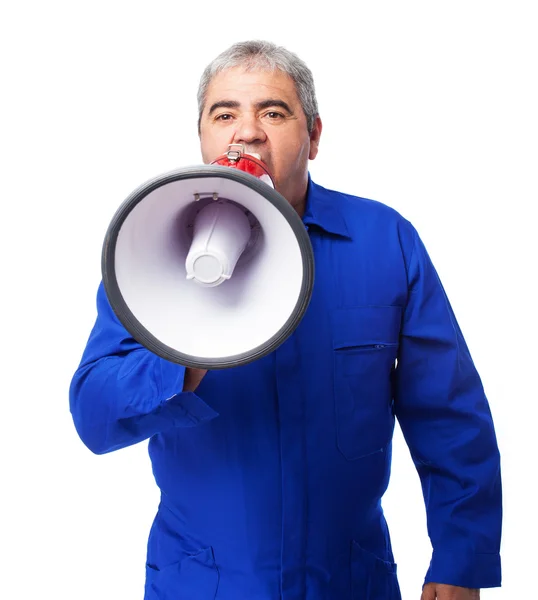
(209, 266)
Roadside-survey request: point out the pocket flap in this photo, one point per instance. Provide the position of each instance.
(370, 561)
(364, 325)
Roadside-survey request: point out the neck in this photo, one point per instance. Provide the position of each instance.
(296, 195)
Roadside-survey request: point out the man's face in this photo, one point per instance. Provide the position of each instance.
(260, 109)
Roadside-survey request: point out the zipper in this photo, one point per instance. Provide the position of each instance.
(366, 347)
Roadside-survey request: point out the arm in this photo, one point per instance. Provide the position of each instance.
(122, 393)
(446, 421)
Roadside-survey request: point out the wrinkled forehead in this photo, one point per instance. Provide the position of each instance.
(249, 86)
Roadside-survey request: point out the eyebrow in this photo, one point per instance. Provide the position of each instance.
(223, 104)
(259, 105)
(273, 102)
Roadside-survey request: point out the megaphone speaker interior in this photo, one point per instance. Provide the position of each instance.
(208, 266)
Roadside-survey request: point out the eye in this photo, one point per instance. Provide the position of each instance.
(274, 116)
(224, 117)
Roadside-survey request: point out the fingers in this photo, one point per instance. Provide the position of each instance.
(192, 380)
(441, 591)
(428, 592)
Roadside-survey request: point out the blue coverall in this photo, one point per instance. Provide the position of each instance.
(271, 474)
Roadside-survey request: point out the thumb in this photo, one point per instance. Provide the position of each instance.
(428, 592)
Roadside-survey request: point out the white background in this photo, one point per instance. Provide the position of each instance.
(429, 107)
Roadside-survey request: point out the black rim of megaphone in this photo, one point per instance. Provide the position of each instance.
(140, 333)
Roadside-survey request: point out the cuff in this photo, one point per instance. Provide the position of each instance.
(474, 571)
(188, 410)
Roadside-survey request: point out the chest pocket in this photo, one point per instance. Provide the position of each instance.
(365, 347)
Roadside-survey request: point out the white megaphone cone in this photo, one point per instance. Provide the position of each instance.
(209, 266)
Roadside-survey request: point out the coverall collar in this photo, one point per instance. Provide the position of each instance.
(324, 211)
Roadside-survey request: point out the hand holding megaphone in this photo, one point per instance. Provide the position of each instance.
(193, 378)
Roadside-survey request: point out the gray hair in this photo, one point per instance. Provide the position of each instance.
(267, 56)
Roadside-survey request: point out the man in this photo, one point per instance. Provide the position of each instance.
(272, 474)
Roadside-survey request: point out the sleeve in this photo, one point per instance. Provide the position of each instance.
(122, 394)
(445, 418)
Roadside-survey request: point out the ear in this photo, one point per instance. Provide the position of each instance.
(314, 138)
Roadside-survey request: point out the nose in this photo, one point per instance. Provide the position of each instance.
(249, 130)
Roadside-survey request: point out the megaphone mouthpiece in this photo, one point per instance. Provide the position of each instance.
(249, 162)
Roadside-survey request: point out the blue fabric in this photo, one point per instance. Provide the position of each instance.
(272, 474)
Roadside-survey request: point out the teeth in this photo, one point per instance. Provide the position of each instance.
(255, 155)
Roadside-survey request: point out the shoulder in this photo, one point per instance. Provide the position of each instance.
(360, 212)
